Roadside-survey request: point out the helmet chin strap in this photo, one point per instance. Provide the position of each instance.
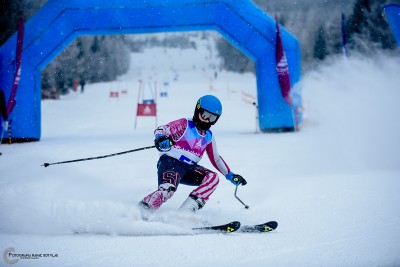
(204, 126)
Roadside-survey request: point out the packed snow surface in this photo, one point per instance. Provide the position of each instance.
(333, 187)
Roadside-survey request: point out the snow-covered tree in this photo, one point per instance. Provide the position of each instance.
(320, 51)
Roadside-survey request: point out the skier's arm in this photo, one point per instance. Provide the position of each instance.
(173, 130)
(216, 160)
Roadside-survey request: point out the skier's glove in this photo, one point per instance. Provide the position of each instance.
(4, 124)
(236, 179)
(162, 143)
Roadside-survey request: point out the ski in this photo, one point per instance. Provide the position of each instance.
(227, 228)
(223, 228)
(236, 226)
(259, 228)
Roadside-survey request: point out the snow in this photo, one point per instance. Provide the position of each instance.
(334, 186)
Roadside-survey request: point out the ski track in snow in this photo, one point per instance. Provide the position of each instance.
(334, 187)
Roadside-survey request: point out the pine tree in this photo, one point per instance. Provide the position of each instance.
(367, 27)
(380, 32)
(11, 11)
(358, 20)
(320, 51)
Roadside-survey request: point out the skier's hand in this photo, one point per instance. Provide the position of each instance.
(4, 124)
(235, 179)
(162, 143)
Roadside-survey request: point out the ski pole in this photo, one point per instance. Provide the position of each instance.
(99, 157)
(246, 206)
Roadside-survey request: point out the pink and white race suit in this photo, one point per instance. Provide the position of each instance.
(179, 165)
(190, 144)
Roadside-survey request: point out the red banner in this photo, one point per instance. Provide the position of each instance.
(282, 66)
(146, 110)
(114, 94)
(17, 76)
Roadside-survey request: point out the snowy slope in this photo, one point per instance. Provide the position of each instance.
(334, 187)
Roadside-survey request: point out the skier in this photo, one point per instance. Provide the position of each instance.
(82, 83)
(182, 144)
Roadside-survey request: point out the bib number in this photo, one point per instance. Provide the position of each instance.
(185, 159)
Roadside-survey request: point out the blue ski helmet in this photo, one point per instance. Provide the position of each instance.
(209, 108)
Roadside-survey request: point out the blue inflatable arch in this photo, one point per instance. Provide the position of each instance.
(59, 22)
(393, 16)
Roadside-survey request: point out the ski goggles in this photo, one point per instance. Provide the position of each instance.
(205, 115)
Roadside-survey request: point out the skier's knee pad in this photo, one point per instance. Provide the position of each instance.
(167, 190)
